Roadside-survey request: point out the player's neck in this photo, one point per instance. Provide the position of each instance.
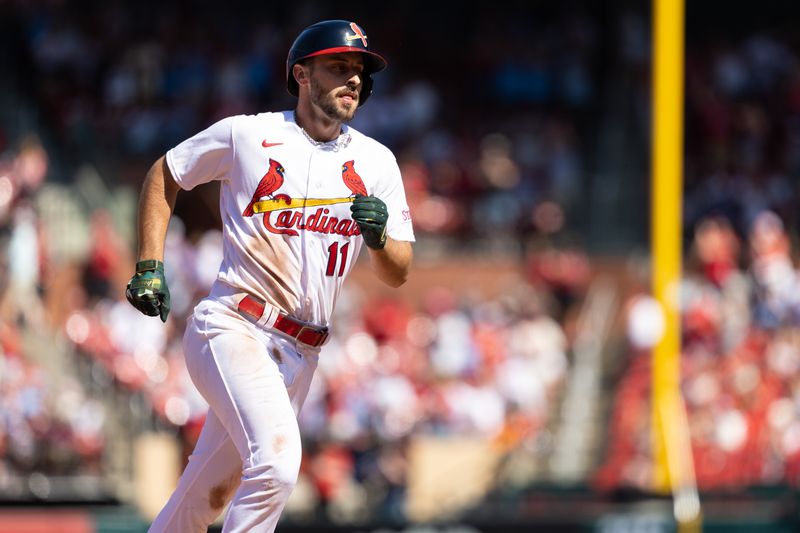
(320, 128)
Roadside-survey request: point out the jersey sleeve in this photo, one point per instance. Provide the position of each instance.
(392, 192)
(204, 157)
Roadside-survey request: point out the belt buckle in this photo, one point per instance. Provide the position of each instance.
(322, 335)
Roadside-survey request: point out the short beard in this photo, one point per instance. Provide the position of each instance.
(327, 103)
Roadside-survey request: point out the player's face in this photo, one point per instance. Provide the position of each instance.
(336, 84)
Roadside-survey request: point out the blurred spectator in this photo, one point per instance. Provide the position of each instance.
(774, 273)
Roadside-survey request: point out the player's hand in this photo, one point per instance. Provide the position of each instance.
(370, 214)
(147, 290)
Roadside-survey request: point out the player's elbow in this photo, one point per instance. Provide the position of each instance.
(393, 263)
(397, 279)
(394, 275)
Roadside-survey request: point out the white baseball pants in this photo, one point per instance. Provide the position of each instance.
(255, 382)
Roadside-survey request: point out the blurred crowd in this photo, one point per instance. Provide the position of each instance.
(482, 137)
(740, 367)
(49, 422)
(743, 128)
(740, 297)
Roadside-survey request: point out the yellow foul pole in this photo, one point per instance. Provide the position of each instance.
(673, 466)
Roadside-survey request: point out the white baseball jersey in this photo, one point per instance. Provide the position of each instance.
(285, 205)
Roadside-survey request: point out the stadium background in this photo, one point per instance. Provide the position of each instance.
(506, 387)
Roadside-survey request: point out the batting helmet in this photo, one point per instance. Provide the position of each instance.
(334, 37)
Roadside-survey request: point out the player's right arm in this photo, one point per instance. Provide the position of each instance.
(156, 203)
(201, 158)
(147, 290)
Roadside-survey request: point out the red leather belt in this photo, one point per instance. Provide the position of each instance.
(313, 336)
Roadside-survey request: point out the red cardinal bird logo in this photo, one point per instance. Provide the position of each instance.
(270, 183)
(352, 179)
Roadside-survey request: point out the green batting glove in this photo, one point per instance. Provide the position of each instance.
(370, 214)
(147, 290)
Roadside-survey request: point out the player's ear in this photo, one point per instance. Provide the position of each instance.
(301, 73)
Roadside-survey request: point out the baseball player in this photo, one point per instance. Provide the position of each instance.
(300, 192)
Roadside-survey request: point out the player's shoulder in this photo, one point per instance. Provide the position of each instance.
(369, 145)
(247, 127)
(261, 120)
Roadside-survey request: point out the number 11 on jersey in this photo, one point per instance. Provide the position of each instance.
(333, 252)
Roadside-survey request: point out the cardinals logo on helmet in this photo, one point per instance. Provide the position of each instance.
(358, 34)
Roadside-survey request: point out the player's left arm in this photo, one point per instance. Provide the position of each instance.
(385, 223)
(390, 258)
(392, 262)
